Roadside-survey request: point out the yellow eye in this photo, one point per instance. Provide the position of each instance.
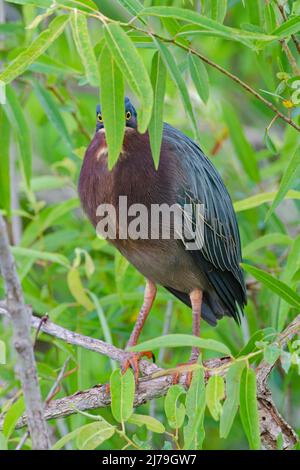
(99, 117)
(128, 115)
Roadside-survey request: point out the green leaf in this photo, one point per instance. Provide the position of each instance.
(262, 198)
(40, 255)
(290, 174)
(112, 104)
(4, 163)
(65, 439)
(269, 143)
(175, 411)
(287, 276)
(248, 408)
(151, 423)
(271, 353)
(133, 6)
(218, 10)
(199, 75)
(231, 403)
(11, 417)
(276, 286)
(52, 111)
(214, 394)
(291, 26)
(241, 145)
(266, 240)
(94, 434)
(267, 334)
(18, 122)
(35, 49)
(77, 289)
(158, 80)
(178, 79)
(2, 352)
(195, 408)
(180, 340)
(122, 388)
(270, 17)
(133, 69)
(84, 47)
(208, 24)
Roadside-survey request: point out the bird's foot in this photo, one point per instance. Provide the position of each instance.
(181, 371)
(132, 360)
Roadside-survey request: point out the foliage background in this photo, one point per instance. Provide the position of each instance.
(79, 280)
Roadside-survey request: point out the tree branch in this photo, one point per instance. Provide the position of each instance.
(155, 383)
(20, 317)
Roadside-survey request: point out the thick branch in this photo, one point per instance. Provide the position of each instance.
(20, 317)
(151, 386)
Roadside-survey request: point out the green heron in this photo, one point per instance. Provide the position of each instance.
(208, 279)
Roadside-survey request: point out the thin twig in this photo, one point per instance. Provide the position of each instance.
(61, 99)
(294, 38)
(20, 317)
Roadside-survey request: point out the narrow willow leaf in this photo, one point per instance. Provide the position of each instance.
(175, 411)
(195, 407)
(11, 417)
(92, 435)
(248, 408)
(178, 79)
(287, 276)
(35, 255)
(242, 147)
(266, 240)
(84, 47)
(262, 198)
(231, 403)
(77, 289)
(211, 25)
(151, 423)
(133, 69)
(267, 334)
(271, 353)
(122, 388)
(18, 122)
(270, 17)
(158, 80)
(269, 143)
(199, 76)
(2, 352)
(291, 26)
(133, 6)
(112, 104)
(35, 49)
(290, 174)
(276, 286)
(65, 439)
(52, 112)
(218, 10)
(4, 163)
(179, 340)
(214, 393)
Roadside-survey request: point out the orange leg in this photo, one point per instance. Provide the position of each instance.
(133, 358)
(196, 300)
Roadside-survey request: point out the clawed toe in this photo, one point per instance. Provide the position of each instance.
(188, 374)
(132, 360)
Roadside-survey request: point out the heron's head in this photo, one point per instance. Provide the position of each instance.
(130, 115)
